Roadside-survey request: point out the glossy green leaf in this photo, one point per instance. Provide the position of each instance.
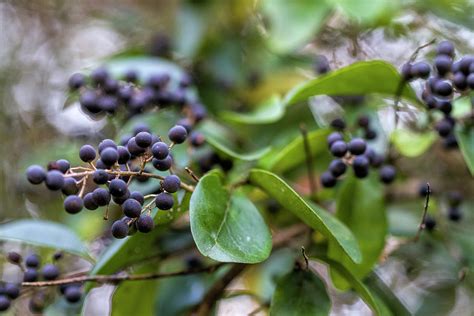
(360, 205)
(141, 292)
(465, 138)
(355, 283)
(412, 144)
(387, 300)
(364, 11)
(293, 154)
(45, 234)
(363, 77)
(223, 148)
(314, 217)
(293, 23)
(300, 293)
(268, 112)
(227, 227)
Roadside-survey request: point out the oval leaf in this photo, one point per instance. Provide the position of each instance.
(359, 78)
(300, 293)
(268, 112)
(45, 234)
(361, 207)
(306, 18)
(225, 227)
(293, 154)
(314, 217)
(411, 144)
(465, 138)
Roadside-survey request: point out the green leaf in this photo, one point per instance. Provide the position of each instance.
(227, 227)
(439, 300)
(306, 18)
(300, 293)
(385, 297)
(314, 217)
(355, 283)
(223, 148)
(465, 138)
(412, 144)
(141, 292)
(359, 78)
(268, 112)
(360, 205)
(364, 11)
(293, 154)
(45, 234)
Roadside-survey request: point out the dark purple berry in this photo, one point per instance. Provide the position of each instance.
(101, 196)
(141, 127)
(123, 155)
(5, 303)
(87, 153)
(50, 272)
(106, 143)
(459, 81)
(100, 176)
(145, 224)
(133, 147)
(444, 106)
(171, 183)
(430, 223)
(444, 127)
(131, 208)
(454, 214)
(160, 150)
(370, 134)
(465, 64)
(357, 146)
(338, 148)
(177, 134)
(54, 180)
(328, 180)
(111, 86)
(164, 201)
(119, 229)
(470, 80)
(445, 48)
(88, 101)
(338, 124)
(70, 186)
(73, 204)
(63, 165)
(117, 187)
(162, 164)
(76, 81)
(30, 275)
(321, 65)
(406, 72)
(99, 76)
(109, 156)
(443, 64)
(89, 202)
(337, 167)
(35, 174)
(197, 139)
(443, 88)
(363, 121)
(32, 261)
(387, 174)
(450, 142)
(138, 197)
(360, 165)
(421, 70)
(14, 257)
(423, 190)
(143, 139)
(73, 293)
(454, 198)
(186, 123)
(12, 290)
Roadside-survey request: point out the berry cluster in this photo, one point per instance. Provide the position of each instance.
(33, 271)
(101, 93)
(111, 168)
(449, 77)
(357, 154)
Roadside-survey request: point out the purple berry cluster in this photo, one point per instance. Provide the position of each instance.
(109, 170)
(34, 270)
(100, 93)
(449, 77)
(357, 154)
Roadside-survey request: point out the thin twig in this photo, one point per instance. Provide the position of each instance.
(309, 159)
(192, 174)
(422, 225)
(118, 278)
(306, 260)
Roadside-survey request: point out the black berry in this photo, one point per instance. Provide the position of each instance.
(171, 183)
(32, 261)
(50, 272)
(131, 208)
(109, 156)
(145, 224)
(339, 148)
(117, 187)
(430, 223)
(444, 127)
(76, 81)
(421, 70)
(14, 257)
(357, 146)
(454, 214)
(69, 186)
(4, 303)
(387, 174)
(101, 196)
(164, 201)
(106, 143)
(100, 176)
(443, 64)
(143, 139)
(73, 204)
(338, 124)
(133, 147)
(137, 196)
(454, 198)
(30, 275)
(443, 88)
(177, 134)
(12, 290)
(119, 229)
(73, 293)
(360, 165)
(87, 153)
(445, 48)
(328, 180)
(162, 164)
(123, 155)
(337, 167)
(54, 180)
(35, 174)
(197, 139)
(99, 76)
